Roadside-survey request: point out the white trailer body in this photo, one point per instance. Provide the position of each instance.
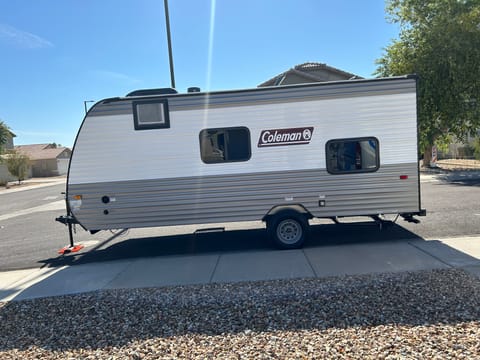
(318, 150)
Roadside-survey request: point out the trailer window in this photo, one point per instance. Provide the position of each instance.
(352, 155)
(151, 114)
(225, 145)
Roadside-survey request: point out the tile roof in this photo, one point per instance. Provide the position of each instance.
(41, 151)
(307, 70)
(308, 66)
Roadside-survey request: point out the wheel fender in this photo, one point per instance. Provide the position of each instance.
(280, 209)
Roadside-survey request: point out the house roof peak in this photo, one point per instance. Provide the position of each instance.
(41, 151)
(309, 72)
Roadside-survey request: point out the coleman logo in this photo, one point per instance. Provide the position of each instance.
(278, 137)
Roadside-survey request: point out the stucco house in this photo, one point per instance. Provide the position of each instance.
(309, 72)
(46, 159)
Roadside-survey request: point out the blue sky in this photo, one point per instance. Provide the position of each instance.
(55, 54)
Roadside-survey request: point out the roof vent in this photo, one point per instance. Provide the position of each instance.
(146, 92)
(193, 89)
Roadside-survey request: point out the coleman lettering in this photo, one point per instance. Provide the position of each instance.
(278, 137)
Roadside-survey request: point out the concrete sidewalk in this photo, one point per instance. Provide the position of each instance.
(33, 183)
(322, 261)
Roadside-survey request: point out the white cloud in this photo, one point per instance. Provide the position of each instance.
(112, 75)
(22, 39)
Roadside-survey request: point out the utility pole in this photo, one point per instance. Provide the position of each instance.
(170, 56)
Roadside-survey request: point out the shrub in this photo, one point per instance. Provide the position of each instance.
(17, 164)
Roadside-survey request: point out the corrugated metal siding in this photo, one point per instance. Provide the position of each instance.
(157, 176)
(211, 199)
(304, 92)
(109, 149)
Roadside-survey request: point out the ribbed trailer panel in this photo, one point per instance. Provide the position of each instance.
(214, 199)
(157, 177)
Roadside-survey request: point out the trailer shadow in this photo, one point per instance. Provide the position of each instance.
(118, 248)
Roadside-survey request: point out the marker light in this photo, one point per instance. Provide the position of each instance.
(75, 203)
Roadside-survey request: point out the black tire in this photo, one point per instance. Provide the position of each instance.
(288, 229)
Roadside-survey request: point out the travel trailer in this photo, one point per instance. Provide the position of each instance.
(283, 155)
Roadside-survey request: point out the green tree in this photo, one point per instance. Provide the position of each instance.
(4, 136)
(17, 164)
(439, 41)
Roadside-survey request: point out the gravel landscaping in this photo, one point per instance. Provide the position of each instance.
(418, 315)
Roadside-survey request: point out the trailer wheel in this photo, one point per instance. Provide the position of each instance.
(288, 229)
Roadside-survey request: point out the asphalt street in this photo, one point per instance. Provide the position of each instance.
(21, 200)
(453, 209)
(30, 238)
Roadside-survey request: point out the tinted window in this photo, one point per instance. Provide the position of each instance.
(152, 114)
(352, 155)
(225, 145)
